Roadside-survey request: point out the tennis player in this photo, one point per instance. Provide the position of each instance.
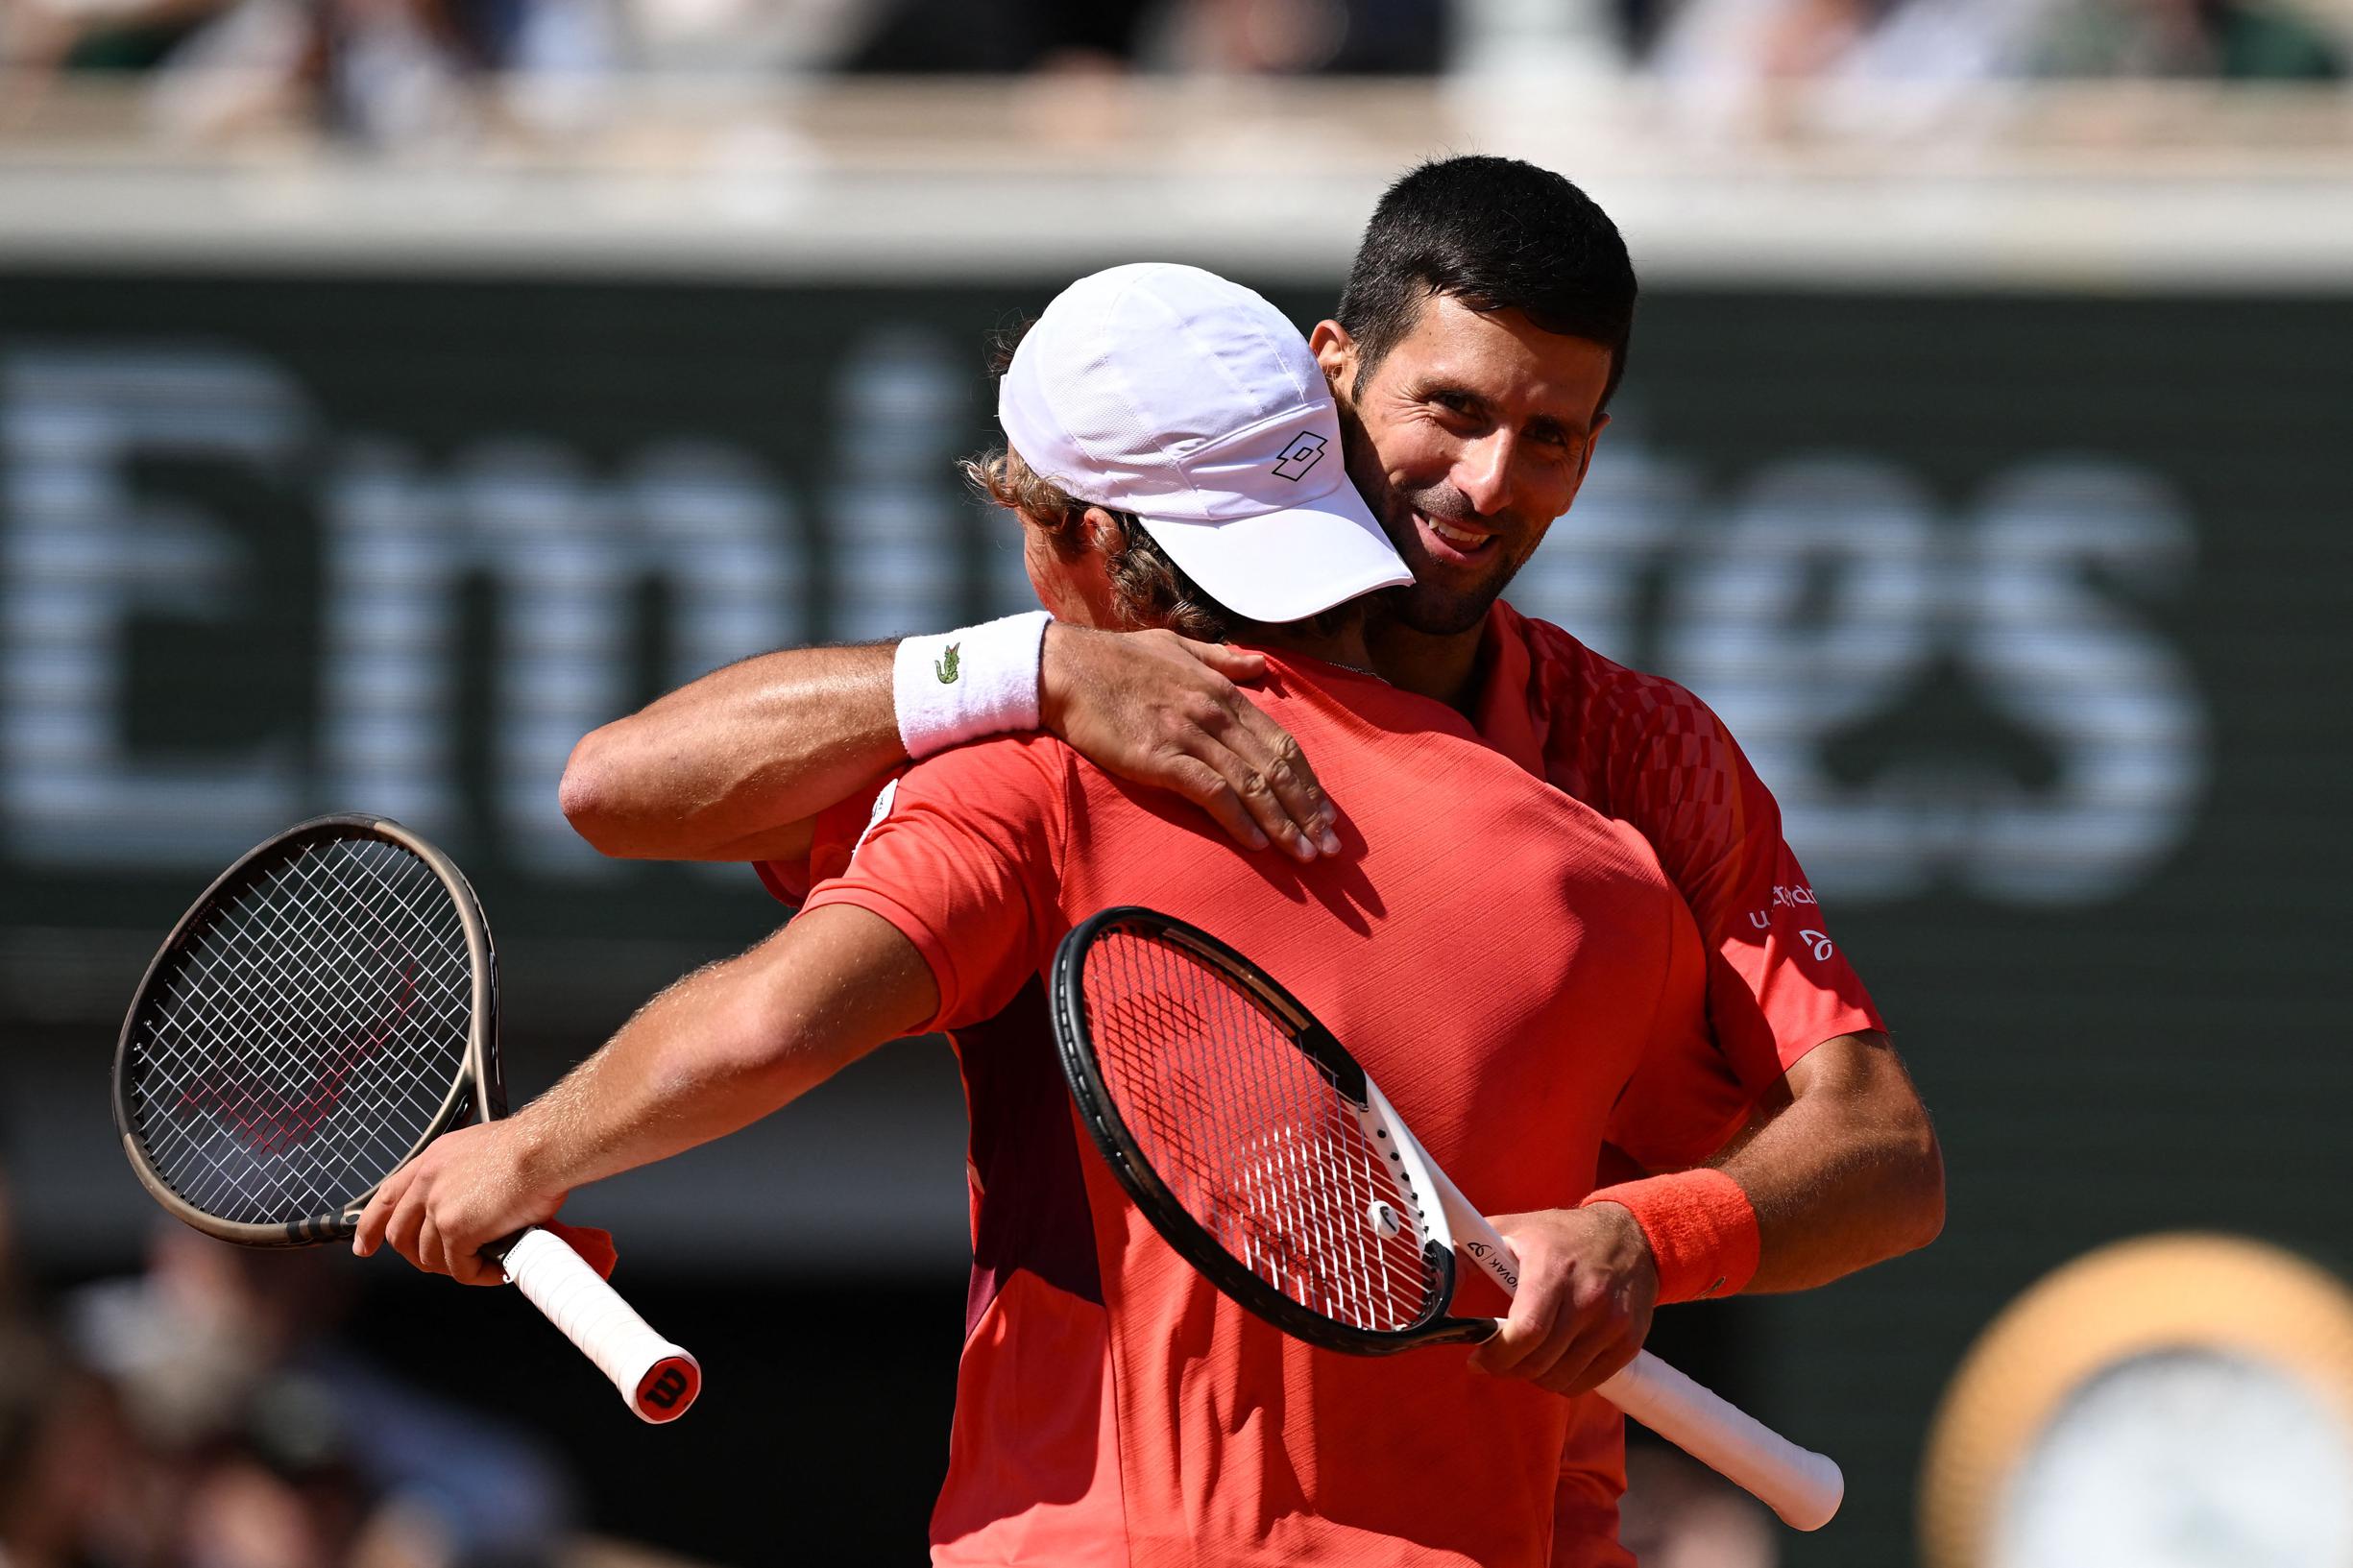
(1483, 329)
(1112, 1406)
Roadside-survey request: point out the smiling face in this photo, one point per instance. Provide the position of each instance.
(1468, 438)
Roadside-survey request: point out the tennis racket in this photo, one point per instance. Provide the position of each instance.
(327, 1009)
(1268, 1159)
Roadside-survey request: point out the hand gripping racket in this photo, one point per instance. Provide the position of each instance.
(326, 1009)
(1268, 1158)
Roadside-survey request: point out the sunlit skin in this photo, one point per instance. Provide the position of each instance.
(1077, 589)
(1472, 433)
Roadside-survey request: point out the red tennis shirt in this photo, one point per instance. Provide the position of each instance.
(1645, 751)
(1502, 959)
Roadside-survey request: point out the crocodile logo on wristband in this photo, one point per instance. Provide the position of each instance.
(945, 668)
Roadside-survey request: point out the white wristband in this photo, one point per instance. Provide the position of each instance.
(961, 685)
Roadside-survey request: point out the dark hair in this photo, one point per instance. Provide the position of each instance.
(1497, 234)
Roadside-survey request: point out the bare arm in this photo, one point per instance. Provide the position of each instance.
(734, 766)
(713, 1053)
(1845, 1171)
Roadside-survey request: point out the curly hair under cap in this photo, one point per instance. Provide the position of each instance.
(1148, 589)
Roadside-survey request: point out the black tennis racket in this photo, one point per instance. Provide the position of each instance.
(1265, 1155)
(327, 1009)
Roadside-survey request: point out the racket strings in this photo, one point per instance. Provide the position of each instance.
(1251, 1136)
(277, 1101)
(306, 1034)
(292, 1120)
(280, 1113)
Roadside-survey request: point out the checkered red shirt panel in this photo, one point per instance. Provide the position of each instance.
(1645, 751)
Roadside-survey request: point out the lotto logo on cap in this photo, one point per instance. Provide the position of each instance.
(1306, 451)
(1170, 392)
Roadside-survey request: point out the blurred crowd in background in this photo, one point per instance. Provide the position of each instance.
(218, 1408)
(389, 70)
(207, 1412)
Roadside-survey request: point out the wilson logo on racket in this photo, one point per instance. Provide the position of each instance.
(335, 991)
(271, 1120)
(667, 1390)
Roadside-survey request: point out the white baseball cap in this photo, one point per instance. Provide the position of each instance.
(1171, 393)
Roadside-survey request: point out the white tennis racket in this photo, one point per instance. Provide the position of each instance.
(1268, 1158)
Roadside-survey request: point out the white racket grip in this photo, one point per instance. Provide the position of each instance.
(656, 1378)
(1801, 1486)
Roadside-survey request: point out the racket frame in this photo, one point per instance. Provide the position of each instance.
(1417, 1177)
(477, 1092)
(656, 1379)
(1801, 1486)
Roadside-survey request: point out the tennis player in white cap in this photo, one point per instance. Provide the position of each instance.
(1174, 458)
(1172, 393)
(1173, 454)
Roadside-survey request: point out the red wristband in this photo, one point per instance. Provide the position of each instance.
(1702, 1230)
